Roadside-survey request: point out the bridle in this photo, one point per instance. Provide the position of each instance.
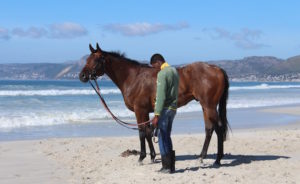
(93, 74)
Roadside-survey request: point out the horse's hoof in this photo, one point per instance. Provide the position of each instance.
(202, 156)
(140, 162)
(142, 156)
(217, 164)
(154, 161)
(153, 158)
(201, 160)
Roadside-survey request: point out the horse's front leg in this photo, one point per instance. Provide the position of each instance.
(145, 132)
(142, 135)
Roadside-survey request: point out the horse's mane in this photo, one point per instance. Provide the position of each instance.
(120, 55)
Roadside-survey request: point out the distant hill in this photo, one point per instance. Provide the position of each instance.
(248, 66)
(30, 71)
(42, 71)
(291, 65)
(262, 68)
(254, 68)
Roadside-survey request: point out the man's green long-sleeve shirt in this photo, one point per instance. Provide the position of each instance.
(167, 89)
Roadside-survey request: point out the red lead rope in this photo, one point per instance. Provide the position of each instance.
(123, 123)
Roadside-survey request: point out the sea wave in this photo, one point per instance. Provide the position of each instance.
(61, 92)
(56, 92)
(237, 103)
(263, 86)
(25, 113)
(17, 120)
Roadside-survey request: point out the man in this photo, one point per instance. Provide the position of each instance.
(165, 110)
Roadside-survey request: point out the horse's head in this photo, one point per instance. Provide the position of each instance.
(94, 66)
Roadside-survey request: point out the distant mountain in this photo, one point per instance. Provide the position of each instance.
(30, 71)
(262, 68)
(42, 71)
(248, 66)
(255, 68)
(291, 65)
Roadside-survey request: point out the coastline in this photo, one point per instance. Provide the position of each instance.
(255, 155)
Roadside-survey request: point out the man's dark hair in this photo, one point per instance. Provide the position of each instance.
(156, 58)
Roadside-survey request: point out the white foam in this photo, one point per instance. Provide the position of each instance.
(236, 103)
(56, 92)
(15, 119)
(60, 92)
(53, 114)
(263, 86)
(261, 102)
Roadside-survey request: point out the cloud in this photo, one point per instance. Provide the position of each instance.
(143, 28)
(32, 32)
(244, 39)
(67, 30)
(4, 34)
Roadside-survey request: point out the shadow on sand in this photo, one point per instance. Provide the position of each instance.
(235, 160)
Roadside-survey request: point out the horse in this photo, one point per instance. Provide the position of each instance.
(205, 83)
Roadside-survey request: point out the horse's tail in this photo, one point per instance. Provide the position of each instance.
(222, 107)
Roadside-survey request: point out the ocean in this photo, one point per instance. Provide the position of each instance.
(43, 109)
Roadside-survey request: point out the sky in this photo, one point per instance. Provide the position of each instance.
(182, 31)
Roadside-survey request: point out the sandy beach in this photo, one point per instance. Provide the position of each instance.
(267, 155)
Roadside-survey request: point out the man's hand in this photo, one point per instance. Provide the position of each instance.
(155, 121)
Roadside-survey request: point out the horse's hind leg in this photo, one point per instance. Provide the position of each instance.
(219, 131)
(210, 119)
(208, 134)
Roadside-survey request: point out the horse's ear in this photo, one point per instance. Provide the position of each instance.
(92, 49)
(97, 47)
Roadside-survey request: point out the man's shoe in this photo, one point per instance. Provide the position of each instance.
(163, 162)
(167, 161)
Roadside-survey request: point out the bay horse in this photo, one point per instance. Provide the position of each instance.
(198, 81)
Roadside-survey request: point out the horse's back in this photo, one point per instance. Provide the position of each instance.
(204, 81)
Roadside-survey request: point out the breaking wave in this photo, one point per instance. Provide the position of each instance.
(56, 92)
(263, 87)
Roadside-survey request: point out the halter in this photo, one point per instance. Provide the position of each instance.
(95, 68)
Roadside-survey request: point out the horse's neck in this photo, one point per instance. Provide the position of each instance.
(120, 71)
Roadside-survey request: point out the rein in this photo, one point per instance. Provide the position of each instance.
(132, 126)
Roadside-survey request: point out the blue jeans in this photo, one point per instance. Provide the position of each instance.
(164, 134)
